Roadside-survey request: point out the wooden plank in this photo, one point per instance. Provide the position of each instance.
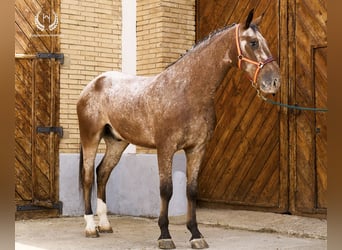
(23, 126)
(309, 162)
(264, 189)
(256, 163)
(37, 214)
(43, 112)
(284, 159)
(320, 71)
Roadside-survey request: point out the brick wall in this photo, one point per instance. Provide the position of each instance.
(91, 42)
(165, 30)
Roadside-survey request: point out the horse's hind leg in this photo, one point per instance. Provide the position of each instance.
(165, 175)
(194, 159)
(87, 172)
(112, 156)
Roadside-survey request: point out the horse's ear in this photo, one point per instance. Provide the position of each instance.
(249, 19)
(258, 20)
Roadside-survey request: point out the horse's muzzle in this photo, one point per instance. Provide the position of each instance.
(271, 86)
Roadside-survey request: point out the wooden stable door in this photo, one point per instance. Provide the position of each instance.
(262, 156)
(36, 109)
(243, 166)
(308, 87)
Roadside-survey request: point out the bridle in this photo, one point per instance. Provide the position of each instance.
(241, 58)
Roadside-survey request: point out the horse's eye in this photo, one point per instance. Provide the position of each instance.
(254, 44)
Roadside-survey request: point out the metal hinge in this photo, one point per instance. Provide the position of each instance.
(30, 207)
(57, 56)
(48, 130)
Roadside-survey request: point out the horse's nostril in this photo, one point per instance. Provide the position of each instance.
(275, 82)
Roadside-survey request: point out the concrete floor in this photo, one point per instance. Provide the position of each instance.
(223, 229)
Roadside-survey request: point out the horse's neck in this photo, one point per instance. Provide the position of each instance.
(205, 66)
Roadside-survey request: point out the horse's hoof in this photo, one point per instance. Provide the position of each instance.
(92, 234)
(105, 229)
(199, 244)
(166, 244)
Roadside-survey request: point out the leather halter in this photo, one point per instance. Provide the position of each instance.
(241, 58)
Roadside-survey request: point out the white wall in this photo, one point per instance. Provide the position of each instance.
(133, 187)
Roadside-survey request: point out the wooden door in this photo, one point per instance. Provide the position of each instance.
(261, 156)
(308, 79)
(243, 166)
(36, 108)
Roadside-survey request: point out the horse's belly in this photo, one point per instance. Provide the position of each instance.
(135, 133)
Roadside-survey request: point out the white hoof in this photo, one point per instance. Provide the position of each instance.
(92, 234)
(104, 225)
(90, 230)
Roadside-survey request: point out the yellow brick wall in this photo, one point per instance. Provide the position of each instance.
(165, 30)
(91, 43)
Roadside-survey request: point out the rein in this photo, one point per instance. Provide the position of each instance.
(260, 65)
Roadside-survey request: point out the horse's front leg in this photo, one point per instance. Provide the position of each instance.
(87, 171)
(194, 160)
(165, 174)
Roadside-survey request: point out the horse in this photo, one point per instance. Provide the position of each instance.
(171, 111)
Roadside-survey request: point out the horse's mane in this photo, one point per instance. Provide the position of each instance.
(208, 37)
(212, 34)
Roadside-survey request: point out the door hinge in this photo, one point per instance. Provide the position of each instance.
(48, 205)
(57, 56)
(47, 130)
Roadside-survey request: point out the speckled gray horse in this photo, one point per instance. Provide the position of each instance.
(171, 111)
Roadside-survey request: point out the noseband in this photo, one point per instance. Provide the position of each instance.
(241, 58)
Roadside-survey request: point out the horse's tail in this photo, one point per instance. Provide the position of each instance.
(80, 175)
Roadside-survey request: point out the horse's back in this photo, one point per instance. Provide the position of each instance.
(113, 79)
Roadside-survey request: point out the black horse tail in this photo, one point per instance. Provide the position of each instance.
(80, 175)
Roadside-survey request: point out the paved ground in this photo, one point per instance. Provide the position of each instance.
(223, 229)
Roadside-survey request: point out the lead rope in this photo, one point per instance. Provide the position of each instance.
(259, 94)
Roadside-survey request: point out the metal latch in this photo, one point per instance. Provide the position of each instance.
(57, 56)
(48, 130)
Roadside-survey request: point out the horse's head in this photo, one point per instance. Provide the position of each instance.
(254, 56)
